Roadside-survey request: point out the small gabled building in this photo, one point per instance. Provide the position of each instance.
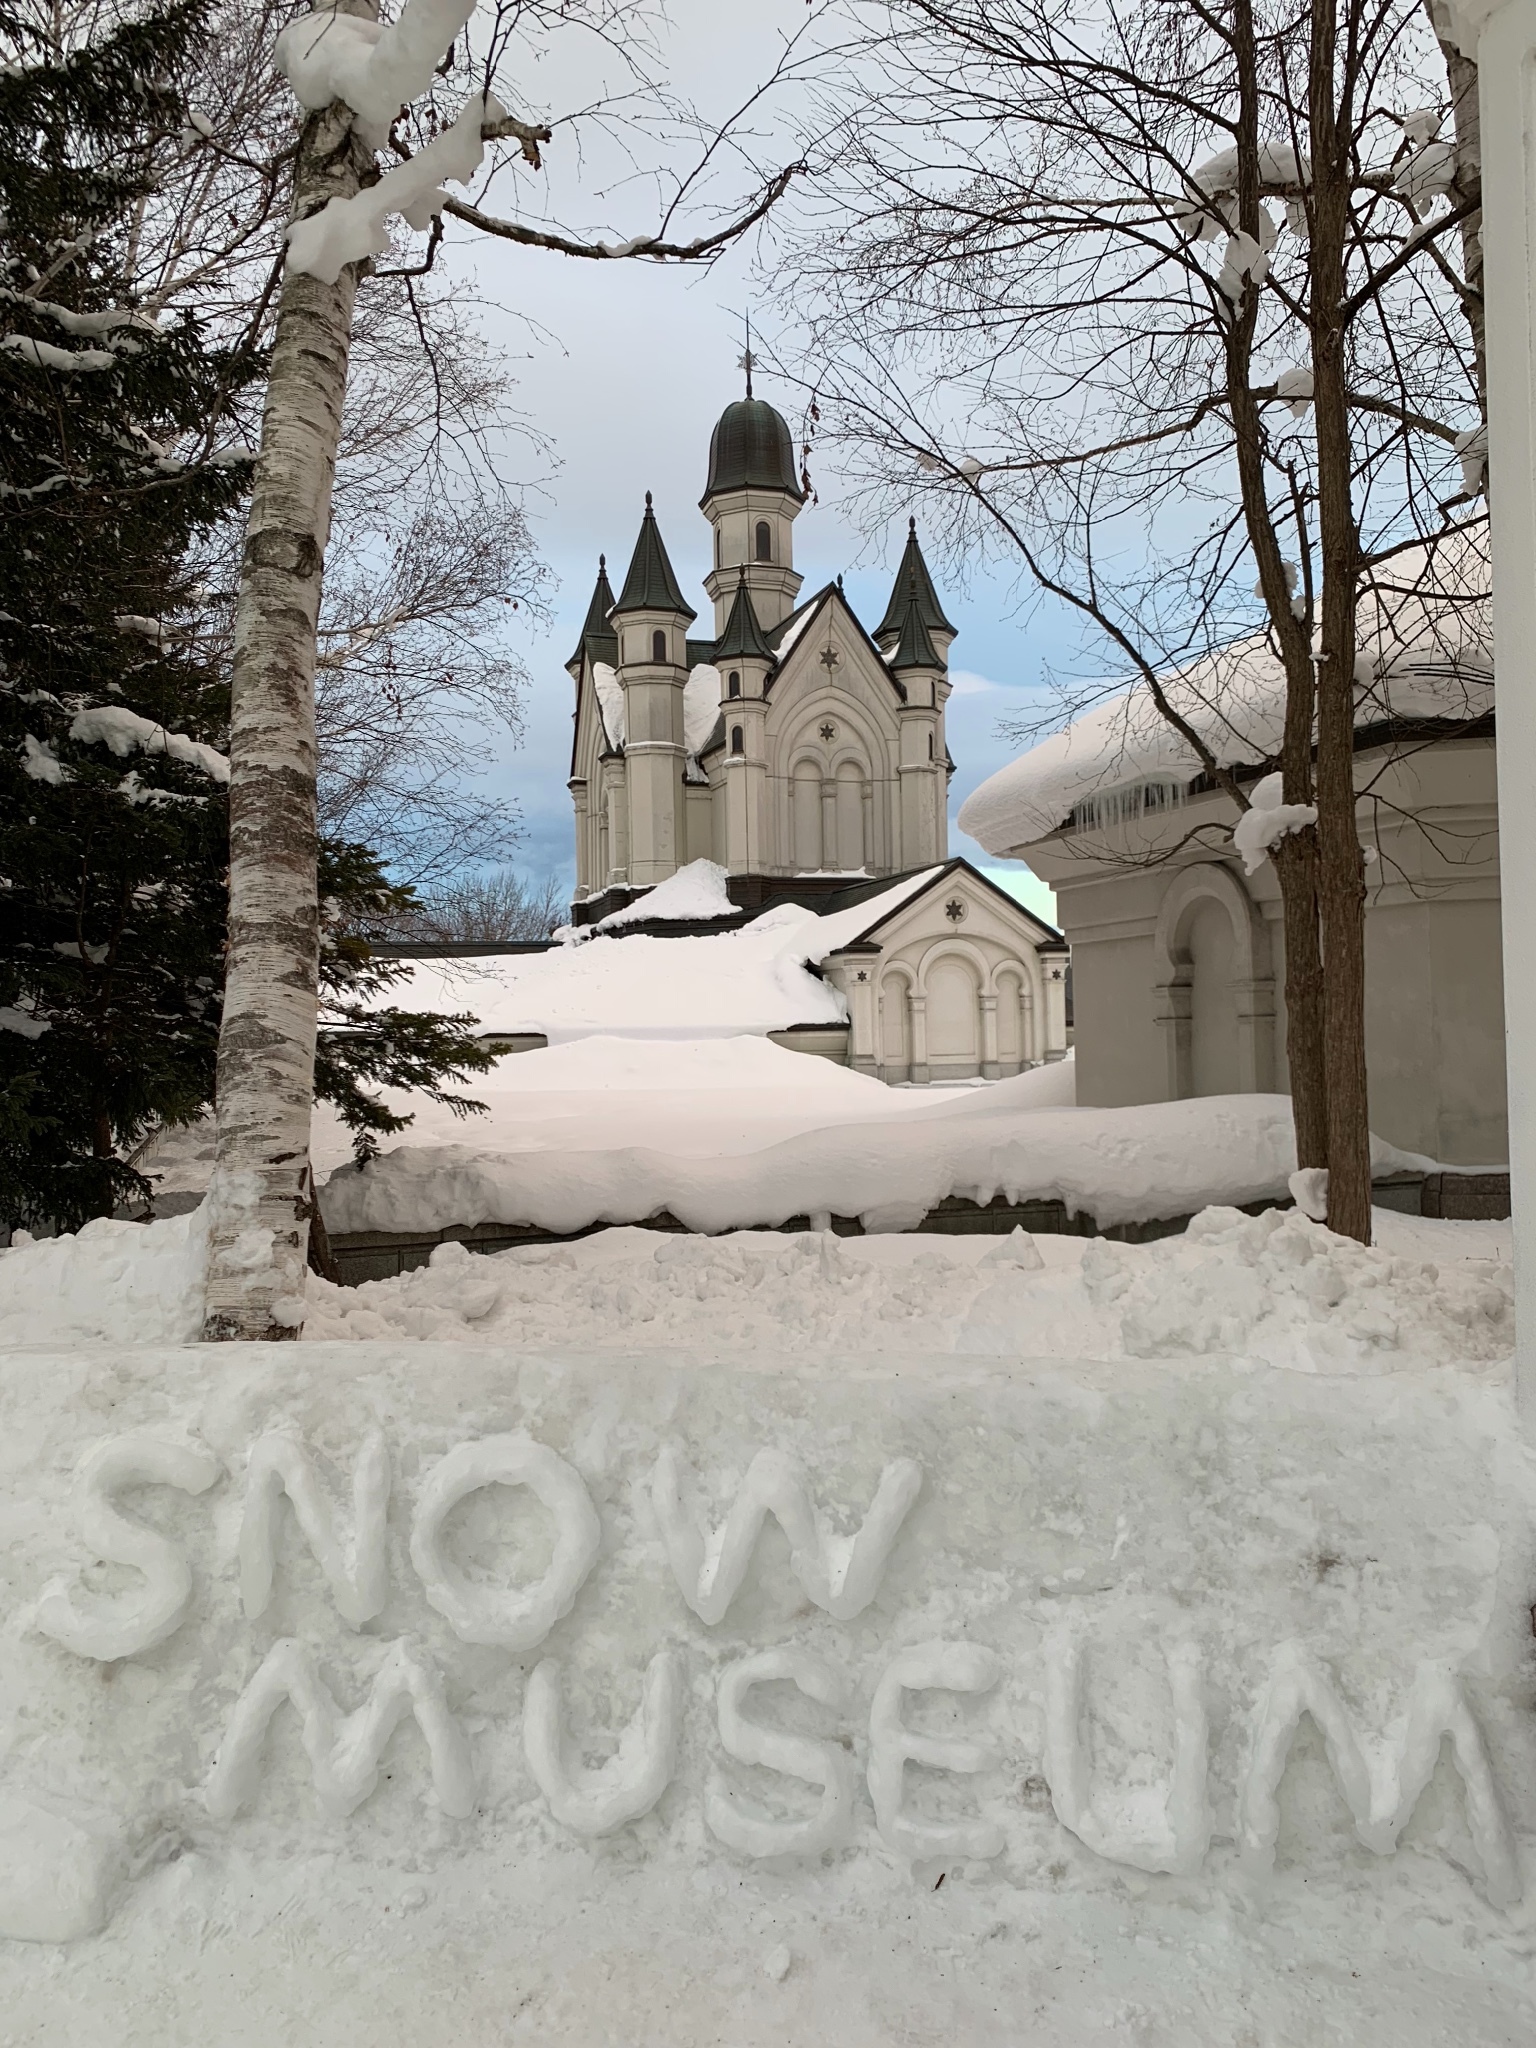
(806, 757)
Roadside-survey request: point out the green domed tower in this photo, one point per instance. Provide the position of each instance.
(751, 499)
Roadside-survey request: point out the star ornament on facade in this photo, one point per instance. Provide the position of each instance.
(954, 910)
(830, 659)
(828, 731)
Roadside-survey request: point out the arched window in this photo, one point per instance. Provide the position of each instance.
(658, 645)
(930, 746)
(733, 683)
(738, 740)
(763, 547)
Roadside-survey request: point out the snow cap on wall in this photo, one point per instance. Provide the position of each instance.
(1425, 641)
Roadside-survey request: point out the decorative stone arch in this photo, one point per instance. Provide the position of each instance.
(893, 1022)
(794, 743)
(951, 943)
(1214, 984)
(960, 1036)
(1019, 996)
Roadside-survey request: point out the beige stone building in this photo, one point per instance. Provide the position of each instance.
(1178, 954)
(806, 757)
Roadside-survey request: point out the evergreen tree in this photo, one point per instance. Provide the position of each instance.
(113, 833)
(114, 821)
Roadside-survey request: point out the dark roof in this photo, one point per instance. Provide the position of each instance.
(751, 446)
(743, 636)
(650, 585)
(913, 567)
(1050, 940)
(915, 649)
(596, 633)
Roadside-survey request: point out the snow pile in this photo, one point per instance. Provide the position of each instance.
(525, 1694)
(1115, 1165)
(126, 1283)
(1276, 1288)
(1285, 1289)
(1425, 650)
(695, 1097)
(1261, 828)
(753, 979)
(695, 892)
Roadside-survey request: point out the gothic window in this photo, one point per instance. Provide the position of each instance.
(930, 746)
(658, 645)
(738, 741)
(763, 544)
(733, 683)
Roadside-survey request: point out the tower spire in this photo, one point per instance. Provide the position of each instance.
(743, 636)
(912, 570)
(650, 584)
(915, 648)
(597, 634)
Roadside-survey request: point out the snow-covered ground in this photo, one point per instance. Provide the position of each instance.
(579, 1758)
(738, 1133)
(1167, 1499)
(1275, 1288)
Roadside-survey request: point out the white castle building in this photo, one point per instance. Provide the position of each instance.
(806, 757)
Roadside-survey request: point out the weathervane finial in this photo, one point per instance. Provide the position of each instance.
(744, 360)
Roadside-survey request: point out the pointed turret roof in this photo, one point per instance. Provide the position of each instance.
(913, 567)
(650, 585)
(743, 636)
(596, 632)
(915, 649)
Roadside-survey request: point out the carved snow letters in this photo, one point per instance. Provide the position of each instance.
(633, 1779)
(344, 1751)
(140, 1620)
(839, 1574)
(280, 1464)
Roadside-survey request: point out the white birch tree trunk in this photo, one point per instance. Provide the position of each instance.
(262, 1190)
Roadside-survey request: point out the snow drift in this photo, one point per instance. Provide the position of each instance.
(1115, 1165)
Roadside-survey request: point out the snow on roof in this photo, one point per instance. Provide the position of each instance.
(698, 1098)
(694, 892)
(610, 701)
(701, 703)
(754, 979)
(1425, 643)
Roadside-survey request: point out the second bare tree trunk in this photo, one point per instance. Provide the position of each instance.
(262, 1190)
(1340, 868)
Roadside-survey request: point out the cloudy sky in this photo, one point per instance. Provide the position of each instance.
(625, 367)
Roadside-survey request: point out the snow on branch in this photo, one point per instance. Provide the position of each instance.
(44, 355)
(346, 230)
(124, 731)
(1268, 820)
(375, 69)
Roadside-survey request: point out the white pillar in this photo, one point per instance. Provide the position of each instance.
(1502, 38)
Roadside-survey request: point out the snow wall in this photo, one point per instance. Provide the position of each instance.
(408, 1689)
